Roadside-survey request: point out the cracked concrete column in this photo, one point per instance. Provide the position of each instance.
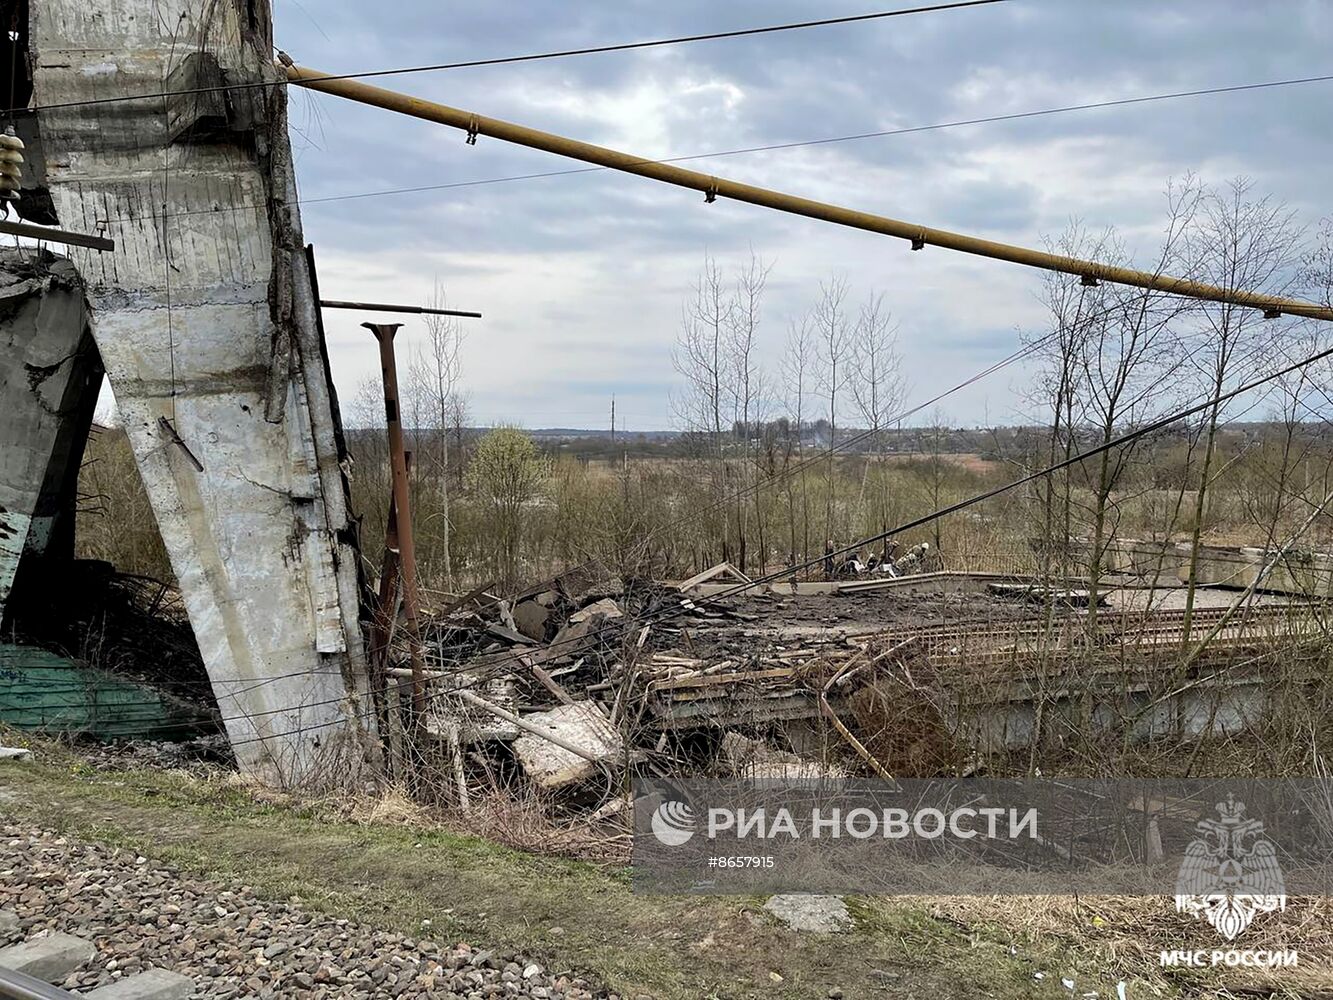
(49, 377)
(206, 324)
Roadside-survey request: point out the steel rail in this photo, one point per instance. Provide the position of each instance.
(15, 985)
(715, 187)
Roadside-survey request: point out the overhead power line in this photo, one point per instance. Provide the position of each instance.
(558, 54)
(678, 40)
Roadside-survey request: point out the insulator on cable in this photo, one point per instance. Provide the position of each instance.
(11, 164)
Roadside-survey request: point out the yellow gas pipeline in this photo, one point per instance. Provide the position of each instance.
(719, 187)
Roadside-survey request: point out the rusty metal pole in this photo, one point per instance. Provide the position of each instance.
(407, 554)
(386, 611)
(394, 307)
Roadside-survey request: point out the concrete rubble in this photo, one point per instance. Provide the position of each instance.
(634, 673)
(581, 724)
(905, 675)
(812, 913)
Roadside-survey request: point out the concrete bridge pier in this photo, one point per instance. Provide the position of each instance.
(206, 323)
(50, 373)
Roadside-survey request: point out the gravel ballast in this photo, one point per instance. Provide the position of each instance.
(141, 914)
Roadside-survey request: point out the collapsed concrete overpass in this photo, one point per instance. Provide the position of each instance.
(206, 322)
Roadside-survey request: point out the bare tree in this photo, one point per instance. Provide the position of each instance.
(832, 325)
(747, 391)
(1236, 241)
(701, 355)
(746, 383)
(877, 383)
(1317, 270)
(1130, 361)
(798, 381)
(1056, 387)
(366, 407)
(831, 322)
(438, 369)
(460, 414)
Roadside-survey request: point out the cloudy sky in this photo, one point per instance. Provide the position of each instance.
(582, 278)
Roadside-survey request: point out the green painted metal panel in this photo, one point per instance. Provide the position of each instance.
(41, 690)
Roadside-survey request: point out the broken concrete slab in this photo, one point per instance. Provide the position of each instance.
(151, 984)
(51, 958)
(580, 724)
(50, 373)
(532, 619)
(586, 584)
(723, 570)
(606, 607)
(573, 637)
(9, 923)
(811, 913)
(765, 766)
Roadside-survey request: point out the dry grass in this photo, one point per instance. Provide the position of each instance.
(1128, 933)
(392, 806)
(527, 823)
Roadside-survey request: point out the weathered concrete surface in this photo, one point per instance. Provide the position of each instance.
(51, 958)
(49, 376)
(806, 912)
(151, 984)
(580, 724)
(206, 324)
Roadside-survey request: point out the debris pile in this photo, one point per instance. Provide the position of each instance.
(122, 623)
(591, 675)
(569, 686)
